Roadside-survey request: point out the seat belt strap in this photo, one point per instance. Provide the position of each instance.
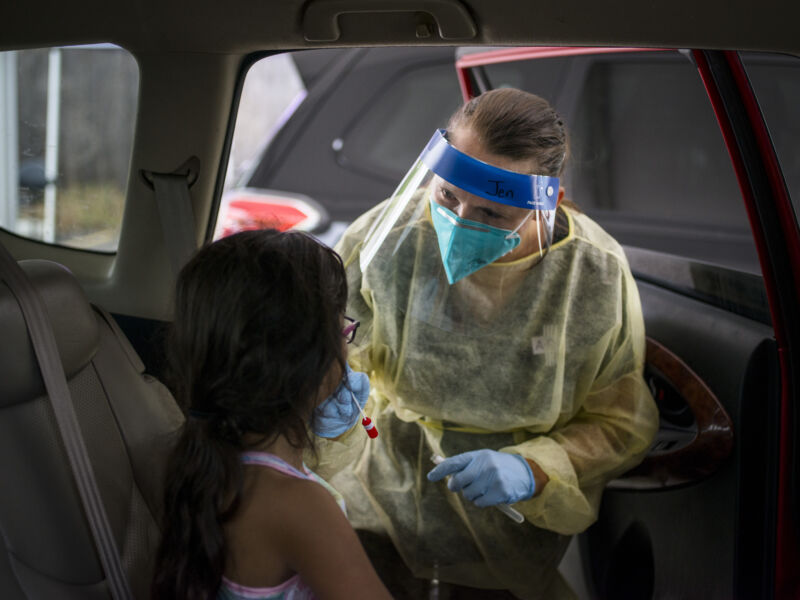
(43, 340)
(176, 214)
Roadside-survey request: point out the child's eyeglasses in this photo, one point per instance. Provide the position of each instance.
(349, 332)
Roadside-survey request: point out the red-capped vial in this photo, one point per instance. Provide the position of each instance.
(369, 427)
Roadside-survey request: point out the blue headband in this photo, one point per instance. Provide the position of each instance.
(534, 192)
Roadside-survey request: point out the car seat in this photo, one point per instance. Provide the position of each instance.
(127, 419)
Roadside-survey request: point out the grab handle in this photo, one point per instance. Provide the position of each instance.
(321, 18)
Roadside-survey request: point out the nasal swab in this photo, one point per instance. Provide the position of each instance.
(369, 426)
(511, 513)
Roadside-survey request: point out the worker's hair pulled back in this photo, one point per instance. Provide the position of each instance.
(518, 125)
(257, 328)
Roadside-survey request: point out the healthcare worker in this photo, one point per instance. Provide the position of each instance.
(501, 330)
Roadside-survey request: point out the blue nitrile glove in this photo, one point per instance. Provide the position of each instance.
(338, 413)
(487, 477)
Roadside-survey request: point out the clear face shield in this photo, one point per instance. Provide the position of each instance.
(479, 212)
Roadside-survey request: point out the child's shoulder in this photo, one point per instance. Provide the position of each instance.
(277, 512)
(278, 505)
(295, 515)
(288, 500)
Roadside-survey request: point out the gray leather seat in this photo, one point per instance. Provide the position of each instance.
(126, 418)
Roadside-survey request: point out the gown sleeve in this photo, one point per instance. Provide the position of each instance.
(609, 434)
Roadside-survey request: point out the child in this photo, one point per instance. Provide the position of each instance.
(256, 349)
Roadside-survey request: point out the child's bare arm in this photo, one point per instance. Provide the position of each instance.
(322, 546)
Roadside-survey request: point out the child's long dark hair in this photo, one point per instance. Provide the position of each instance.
(257, 328)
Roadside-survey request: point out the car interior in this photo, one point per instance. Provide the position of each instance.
(120, 125)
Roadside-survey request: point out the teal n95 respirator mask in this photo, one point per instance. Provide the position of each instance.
(466, 245)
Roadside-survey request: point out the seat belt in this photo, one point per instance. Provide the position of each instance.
(175, 210)
(43, 340)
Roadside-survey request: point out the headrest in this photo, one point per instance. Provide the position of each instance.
(73, 321)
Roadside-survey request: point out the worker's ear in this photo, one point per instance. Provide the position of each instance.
(560, 196)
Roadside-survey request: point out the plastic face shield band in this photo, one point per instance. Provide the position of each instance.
(496, 197)
(533, 192)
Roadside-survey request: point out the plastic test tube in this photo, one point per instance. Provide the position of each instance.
(510, 512)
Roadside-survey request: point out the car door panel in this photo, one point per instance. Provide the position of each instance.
(682, 541)
(695, 435)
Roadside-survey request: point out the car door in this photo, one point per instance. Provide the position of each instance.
(670, 154)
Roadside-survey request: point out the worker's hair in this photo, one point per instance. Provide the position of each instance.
(521, 126)
(517, 125)
(256, 332)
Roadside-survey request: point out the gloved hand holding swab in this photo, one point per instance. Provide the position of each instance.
(336, 415)
(507, 510)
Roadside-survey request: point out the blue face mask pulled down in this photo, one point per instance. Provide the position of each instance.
(467, 246)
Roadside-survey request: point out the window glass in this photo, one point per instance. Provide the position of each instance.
(339, 129)
(546, 76)
(273, 89)
(647, 160)
(67, 119)
(776, 82)
(650, 164)
(389, 136)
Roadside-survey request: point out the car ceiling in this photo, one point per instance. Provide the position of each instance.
(243, 26)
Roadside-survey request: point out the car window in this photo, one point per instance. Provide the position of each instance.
(546, 76)
(649, 164)
(365, 115)
(272, 91)
(67, 119)
(775, 79)
(400, 119)
(647, 160)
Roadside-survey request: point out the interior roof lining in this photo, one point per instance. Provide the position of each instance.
(246, 26)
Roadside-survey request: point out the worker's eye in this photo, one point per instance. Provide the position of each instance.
(491, 214)
(447, 197)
